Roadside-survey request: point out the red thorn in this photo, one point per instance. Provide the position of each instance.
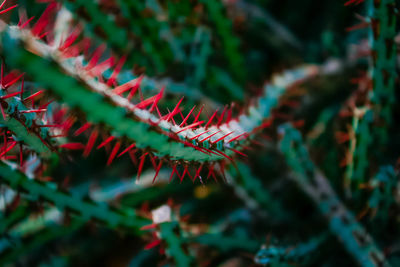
(142, 158)
(229, 116)
(147, 102)
(22, 87)
(187, 117)
(34, 95)
(131, 154)
(238, 152)
(185, 170)
(157, 170)
(159, 96)
(237, 137)
(26, 23)
(10, 95)
(172, 174)
(82, 129)
(152, 244)
(73, 146)
(116, 71)
(7, 9)
(71, 38)
(90, 144)
(198, 135)
(105, 142)
(208, 137)
(223, 154)
(95, 57)
(44, 19)
(126, 150)
(221, 117)
(221, 138)
(153, 161)
(198, 114)
(211, 172)
(148, 227)
(210, 120)
(13, 144)
(2, 112)
(197, 173)
(133, 84)
(175, 110)
(113, 153)
(190, 126)
(33, 111)
(356, 2)
(12, 81)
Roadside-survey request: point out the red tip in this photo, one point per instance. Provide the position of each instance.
(142, 159)
(113, 153)
(105, 142)
(73, 146)
(90, 144)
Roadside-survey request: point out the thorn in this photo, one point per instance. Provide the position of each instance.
(12, 81)
(95, 57)
(73, 146)
(200, 134)
(210, 120)
(223, 154)
(116, 71)
(190, 126)
(211, 172)
(222, 116)
(208, 137)
(26, 23)
(105, 142)
(172, 174)
(126, 150)
(148, 227)
(238, 152)
(185, 170)
(221, 138)
(33, 95)
(7, 9)
(187, 117)
(10, 95)
(142, 158)
(159, 96)
(13, 144)
(33, 111)
(197, 173)
(132, 155)
(153, 161)
(157, 171)
(113, 153)
(82, 129)
(44, 19)
(152, 244)
(229, 116)
(22, 88)
(90, 143)
(237, 137)
(198, 114)
(133, 84)
(175, 110)
(71, 38)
